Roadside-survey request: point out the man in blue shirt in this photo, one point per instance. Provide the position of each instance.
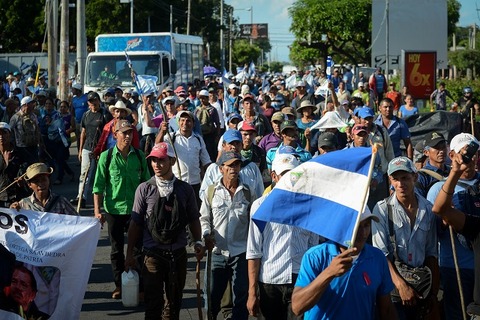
(397, 128)
(79, 107)
(339, 283)
(289, 132)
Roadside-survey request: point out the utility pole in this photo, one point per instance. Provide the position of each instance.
(81, 41)
(171, 18)
(131, 16)
(230, 41)
(63, 81)
(222, 47)
(189, 7)
(387, 41)
(52, 9)
(251, 25)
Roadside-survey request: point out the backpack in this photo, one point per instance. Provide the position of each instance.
(29, 136)
(109, 159)
(206, 123)
(166, 222)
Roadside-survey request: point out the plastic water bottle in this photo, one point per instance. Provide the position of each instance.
(130, 286)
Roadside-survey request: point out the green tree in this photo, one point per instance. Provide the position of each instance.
(244, 53)
(22, 25)
(276, 66)
(337, 27)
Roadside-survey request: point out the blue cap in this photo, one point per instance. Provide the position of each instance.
(287, 150)
(110, 91)
(232, 135)
(365, 112)
(401, 164)
(234, 116)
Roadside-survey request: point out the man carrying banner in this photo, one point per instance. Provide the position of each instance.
(337, 283)
(165, 259)
(274, 257)
(224, 220)
(42, 198)
(407, 236)
(120, 170)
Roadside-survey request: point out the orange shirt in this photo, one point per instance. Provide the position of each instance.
(396, 97)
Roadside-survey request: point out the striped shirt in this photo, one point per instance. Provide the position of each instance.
(280, 248)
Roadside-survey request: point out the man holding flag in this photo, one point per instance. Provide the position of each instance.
(335, 282)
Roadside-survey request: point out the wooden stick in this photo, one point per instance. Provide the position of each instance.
(14, 181)
(457, 270)
(199, 291)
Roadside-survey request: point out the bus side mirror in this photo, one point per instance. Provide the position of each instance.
(173, 66)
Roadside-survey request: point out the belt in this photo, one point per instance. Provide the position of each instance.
(164, 253)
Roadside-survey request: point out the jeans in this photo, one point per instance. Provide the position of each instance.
(117, 224)
(234, 269)
(276, 301)
(451, 295)
(86, 179)
(164, 271)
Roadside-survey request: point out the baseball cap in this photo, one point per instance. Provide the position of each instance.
(461, 140)
(179, 89)
(365, 112)
(247, 126)
(360, 84)
(401, 164)
(327, 139)
(299, 84)
(357, 129)
(288, 111)
(123, 125)
(167, 99)
(42, 94)
(118, 89)
(232, 135)
(229, 157)
(162, 150)
(232, 86)
(185, 112)
(5, 126)
(288, 124)
(234, 116)
(203, 93)
(135, 93)
(284, 162)
(110, 91)
(345, 103)
(368, 214)
(278, 116)
(26, 100)
(248, 96)
(93, 95)
(77, 86)
(418, 155)
(434, 138)
(36, 169)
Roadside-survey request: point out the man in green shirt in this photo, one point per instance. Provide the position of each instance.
(119, 172)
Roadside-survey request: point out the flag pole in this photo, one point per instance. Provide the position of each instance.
(364, 200)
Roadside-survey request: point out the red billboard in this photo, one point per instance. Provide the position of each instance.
(254, 31)
(419, 72)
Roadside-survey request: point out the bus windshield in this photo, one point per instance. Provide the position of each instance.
(114, 71)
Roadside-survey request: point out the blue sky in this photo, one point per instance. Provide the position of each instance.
(275, 13)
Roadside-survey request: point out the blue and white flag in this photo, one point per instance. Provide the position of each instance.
(251, 69)
(265, 85)
(330, 64)
(323, 195)
(146, 84)
(291, 81)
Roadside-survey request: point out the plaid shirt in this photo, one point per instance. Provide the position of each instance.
(62, 206)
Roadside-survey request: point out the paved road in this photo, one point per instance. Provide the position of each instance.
(98, 303)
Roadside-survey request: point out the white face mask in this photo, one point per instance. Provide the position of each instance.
(165, 187)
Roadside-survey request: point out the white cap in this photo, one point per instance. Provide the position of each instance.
(26, 100)
(367, 214)
(283, 162)
(232, 86)
(461, 140)
(360, 84)
(203, 93)
(77, 86)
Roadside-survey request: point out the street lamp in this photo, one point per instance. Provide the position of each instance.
(251, 23)
(131, 13)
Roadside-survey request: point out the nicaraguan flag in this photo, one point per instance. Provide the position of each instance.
(146, 84)
(330, 64)
(251, 69)
(323, 195)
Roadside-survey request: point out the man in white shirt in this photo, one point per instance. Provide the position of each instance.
(224, 219)
(192, 155)
(274, 256)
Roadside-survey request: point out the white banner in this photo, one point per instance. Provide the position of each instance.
(58, 250)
